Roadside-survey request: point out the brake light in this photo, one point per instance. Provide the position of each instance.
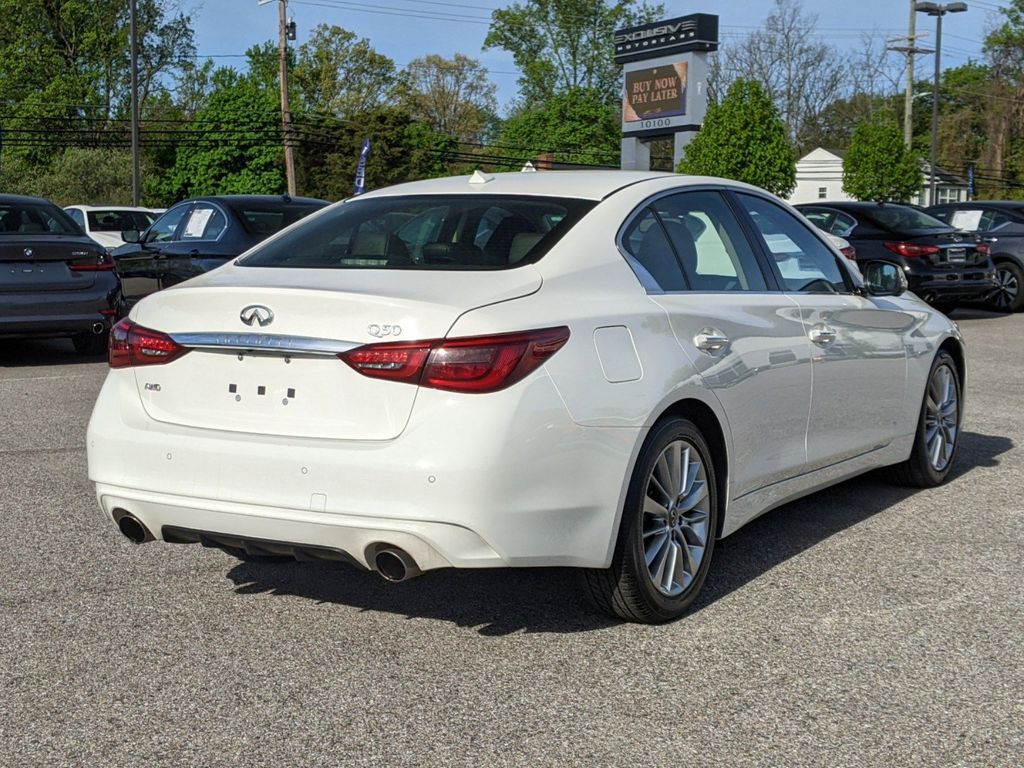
(983, 249)
(472, 364)
(912, 250)
(98, 262)
(132, 345)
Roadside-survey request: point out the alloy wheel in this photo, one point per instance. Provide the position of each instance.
(675, 518)
(942, 418)
(1008, 289)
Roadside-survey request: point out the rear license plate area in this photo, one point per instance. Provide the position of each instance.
(956, 255)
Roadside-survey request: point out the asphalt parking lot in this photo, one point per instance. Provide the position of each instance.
(865, 625)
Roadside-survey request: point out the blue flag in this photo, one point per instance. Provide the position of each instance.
(361, 169)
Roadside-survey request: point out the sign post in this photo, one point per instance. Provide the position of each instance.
(664, 67)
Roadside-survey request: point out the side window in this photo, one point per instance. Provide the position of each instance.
(804, 262)
(710, 243)
(163, 229)
(843, 225)
(651, 255)
(819, 217)
(204, 223)
(77, 216)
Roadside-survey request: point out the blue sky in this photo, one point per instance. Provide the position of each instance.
(406, 29)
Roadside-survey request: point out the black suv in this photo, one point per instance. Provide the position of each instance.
(54, 280)
(1000, 224)
(944, 266)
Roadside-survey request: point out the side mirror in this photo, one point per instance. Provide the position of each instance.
(883, 278)
(130, 235)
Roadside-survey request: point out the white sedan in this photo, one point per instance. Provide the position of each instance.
(604, 370)
(105, 223)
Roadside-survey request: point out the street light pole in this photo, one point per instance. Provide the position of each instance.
(908, 103)
(938, 11)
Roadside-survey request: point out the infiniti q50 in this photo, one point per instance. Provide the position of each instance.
(602, 370)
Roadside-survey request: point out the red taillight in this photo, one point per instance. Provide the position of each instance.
(471, 364)
(99, 262)
(982, 248)
(132, 345)
(849, 252)
(912, 250)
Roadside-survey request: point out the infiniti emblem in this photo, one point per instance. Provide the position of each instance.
(28, 253)
(256, 314)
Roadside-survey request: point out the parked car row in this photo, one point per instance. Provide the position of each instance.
(71, 273)
(951, 254)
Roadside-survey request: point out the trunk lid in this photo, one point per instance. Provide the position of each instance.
(284, 378)
(956, 249)
(40, 263)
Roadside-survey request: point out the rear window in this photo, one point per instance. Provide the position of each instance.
(903, 218)
(119, 221)
(35, 219)
(263, 222)
(464, 232)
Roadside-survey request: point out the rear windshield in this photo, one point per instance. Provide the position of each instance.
(903, 218)
(119, 221)
(264, 222)
(464, 232)
(35, 219)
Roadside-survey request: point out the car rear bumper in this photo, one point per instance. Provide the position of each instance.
(58, 313)
(969, 284)
(505, 479)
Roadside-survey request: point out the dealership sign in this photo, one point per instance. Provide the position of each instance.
(697, 32)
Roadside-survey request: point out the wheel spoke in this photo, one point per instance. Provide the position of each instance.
(653, 508)
(656, 548)
(669, 568)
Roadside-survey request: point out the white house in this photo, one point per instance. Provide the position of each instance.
(819, 176)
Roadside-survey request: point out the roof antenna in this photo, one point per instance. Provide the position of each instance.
(479, 177)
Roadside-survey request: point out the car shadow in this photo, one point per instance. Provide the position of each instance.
(503, 601)
(27, 353)
(978, 312)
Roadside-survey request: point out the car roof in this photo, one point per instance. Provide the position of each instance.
(110, 208)
(586, 185)
(1011, 204)
(852, 205)
(23, 199)
(236, 201)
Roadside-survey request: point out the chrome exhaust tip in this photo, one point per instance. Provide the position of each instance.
(132, 528)
(395, 564)
(98, 328)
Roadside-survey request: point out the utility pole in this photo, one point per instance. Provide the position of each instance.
(286, 113)
(133, 32)
(908, 101)
(910, 49)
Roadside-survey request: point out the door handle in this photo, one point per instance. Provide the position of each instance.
(710, 340)
(822, 335)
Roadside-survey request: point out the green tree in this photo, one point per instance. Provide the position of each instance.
(577, 126)
(743, 138)
(877, 165)
(401, 149)
(340, 74)
(565, 45)
(453, 96)
(233, 145)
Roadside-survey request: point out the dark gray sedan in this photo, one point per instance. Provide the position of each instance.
(198, 235)
(54, 280)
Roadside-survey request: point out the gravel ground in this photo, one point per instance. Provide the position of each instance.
(865, 625)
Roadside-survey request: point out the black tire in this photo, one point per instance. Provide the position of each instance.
(1010, 296)
(90, 344)
(918, 471)
(626, 589)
